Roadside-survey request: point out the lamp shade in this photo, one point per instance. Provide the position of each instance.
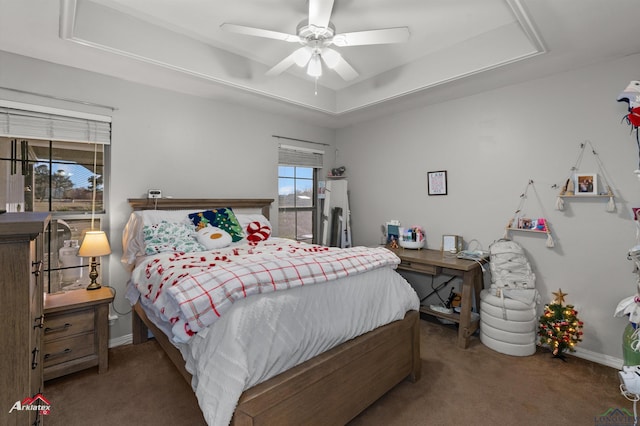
(95, 244)
(331, 58)
(302, 56)
(314, 69)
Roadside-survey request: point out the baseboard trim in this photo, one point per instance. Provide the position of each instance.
(599, 358)
(127, 339)
(607, 360)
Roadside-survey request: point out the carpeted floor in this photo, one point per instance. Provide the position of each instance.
(476, 386)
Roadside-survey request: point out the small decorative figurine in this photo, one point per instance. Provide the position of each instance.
(394, 243)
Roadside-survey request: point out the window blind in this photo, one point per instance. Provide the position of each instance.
(35, 122)
(301, 157)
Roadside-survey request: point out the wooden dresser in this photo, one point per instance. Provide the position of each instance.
(21, 314)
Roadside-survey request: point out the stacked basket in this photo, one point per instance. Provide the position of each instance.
(507, 325)
(508, 319)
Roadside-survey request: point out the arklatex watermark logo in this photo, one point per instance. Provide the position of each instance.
(37, 403)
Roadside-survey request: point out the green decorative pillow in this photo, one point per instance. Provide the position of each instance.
(168, 236)
(223, 218)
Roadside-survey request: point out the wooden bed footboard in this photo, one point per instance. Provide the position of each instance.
(329, 389)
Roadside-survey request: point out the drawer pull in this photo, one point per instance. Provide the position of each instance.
(38, 322)
(64, 352)
(37, 267)
(56, 329)
(34, 360)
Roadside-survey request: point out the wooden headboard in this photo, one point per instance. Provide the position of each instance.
(259, 204)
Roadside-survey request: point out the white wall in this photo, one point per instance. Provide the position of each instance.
(184, 145)
(491, 144)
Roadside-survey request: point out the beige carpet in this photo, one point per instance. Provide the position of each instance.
(476, 386)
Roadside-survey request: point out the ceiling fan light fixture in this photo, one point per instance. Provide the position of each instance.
(331, 58)
(302, 56)
(315, 67)
(315, 35)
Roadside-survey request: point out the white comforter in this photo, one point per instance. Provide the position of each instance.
(264, 335)
(193, 290)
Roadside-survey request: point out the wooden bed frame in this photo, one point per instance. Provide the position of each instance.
(329, 389)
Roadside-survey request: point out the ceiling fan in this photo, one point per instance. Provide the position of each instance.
(315, 35)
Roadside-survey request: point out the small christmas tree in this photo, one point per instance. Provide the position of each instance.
(560, 328)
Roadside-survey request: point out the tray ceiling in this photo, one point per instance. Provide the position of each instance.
(179, 45)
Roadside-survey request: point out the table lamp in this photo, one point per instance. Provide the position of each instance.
(95, 244)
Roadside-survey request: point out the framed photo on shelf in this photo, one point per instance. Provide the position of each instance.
(586, 184)
(437, 182)
(393, 232)
(452, 243)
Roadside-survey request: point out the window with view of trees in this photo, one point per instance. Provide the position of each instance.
(58, 177)
(297, 205)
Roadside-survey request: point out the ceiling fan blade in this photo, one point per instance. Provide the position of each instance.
(320, 12)
(361, 38)
(297, 57)
(335, 61)
(258, 32)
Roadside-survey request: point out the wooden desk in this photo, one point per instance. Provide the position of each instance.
(436, 262)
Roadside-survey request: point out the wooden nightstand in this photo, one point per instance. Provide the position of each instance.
(76, 331)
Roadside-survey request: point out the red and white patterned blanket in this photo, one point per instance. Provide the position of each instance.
(192, 290)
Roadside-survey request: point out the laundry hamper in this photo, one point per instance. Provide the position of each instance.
(509, 325)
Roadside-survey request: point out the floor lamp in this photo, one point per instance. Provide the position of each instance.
(95, 243)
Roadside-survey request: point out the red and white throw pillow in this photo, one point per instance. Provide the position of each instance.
(257, 232)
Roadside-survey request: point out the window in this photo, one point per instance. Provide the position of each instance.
(297, 183)
(55, 174)
(56, 177)
(297, 207)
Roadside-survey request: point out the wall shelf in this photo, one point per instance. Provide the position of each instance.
(527, 230)
(611, 205)
(586, 196)
(597, 183)
(533, 224)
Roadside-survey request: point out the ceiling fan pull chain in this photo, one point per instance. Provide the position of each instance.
(316, 87)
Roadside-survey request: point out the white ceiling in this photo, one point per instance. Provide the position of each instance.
(456, 47)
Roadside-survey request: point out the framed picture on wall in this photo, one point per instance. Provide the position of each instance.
(586, 184)
(437, 182)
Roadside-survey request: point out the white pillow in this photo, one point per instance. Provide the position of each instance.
(213, 238)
